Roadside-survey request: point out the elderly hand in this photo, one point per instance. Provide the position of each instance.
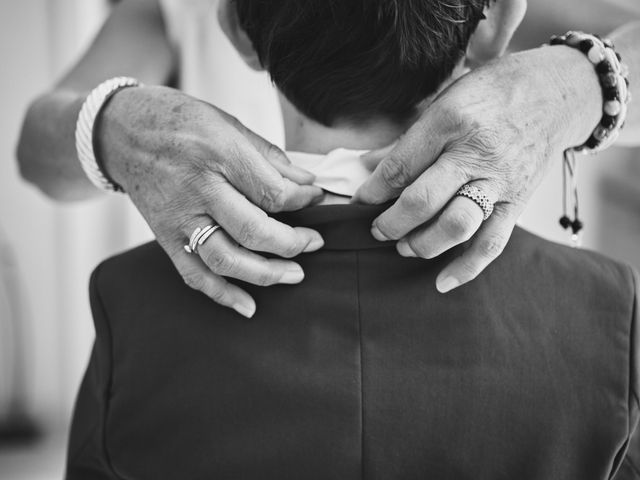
(186, 164)
(497, 128)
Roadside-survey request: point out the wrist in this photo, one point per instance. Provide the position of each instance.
(580, 92)
(86, 126)
(111, 135)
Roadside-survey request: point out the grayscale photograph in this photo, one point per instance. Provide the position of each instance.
(320, 240)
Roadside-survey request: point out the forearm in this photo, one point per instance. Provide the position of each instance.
(627, 42)
(131, 42)
(46, 148)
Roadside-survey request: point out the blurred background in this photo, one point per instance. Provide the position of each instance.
(47, 249)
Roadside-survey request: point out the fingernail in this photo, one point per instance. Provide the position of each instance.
(314, 245)
(378, 235)
(404, 249)
(318, 198)
(245, 310)
(293, 274)
(446, 284)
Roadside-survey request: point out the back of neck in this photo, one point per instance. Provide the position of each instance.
(305, 135)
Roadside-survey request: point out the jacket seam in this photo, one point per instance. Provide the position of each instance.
(360, 349)
(633, 394)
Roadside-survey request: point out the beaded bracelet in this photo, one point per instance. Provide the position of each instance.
(613, 76)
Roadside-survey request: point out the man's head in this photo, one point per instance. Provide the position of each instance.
(347, 61)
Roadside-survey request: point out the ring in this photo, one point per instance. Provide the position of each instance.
(474, 193)
(199, 236)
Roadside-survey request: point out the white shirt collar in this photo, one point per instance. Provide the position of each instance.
(339, 173)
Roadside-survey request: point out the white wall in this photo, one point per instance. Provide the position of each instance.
(56, 245)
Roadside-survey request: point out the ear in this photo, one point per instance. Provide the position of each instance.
(493, 34)
(228, 19)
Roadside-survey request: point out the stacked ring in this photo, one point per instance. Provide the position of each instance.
(199, 236)
(474, 193)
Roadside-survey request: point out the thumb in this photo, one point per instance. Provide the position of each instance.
(372, 158)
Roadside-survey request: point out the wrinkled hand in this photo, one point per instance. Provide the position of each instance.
(498, 128)
(186, 164)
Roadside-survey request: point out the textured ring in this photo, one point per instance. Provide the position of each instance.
(474, 193)
(199, 236)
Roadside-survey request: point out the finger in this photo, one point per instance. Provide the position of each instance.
(421, 200)
(456, 224)
(225, 257)
(197, 276)
(276, 157)
(254, 229)
(262, 183)
(372, 158)
(416, 151)
(485, 248)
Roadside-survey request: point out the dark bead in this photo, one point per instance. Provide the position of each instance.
(604, 67)
(626, 80)
(576, 226)
(592, 142)
(618, 57)
(609, 80)
(565, 222)
(610, 93)
(608, 121)
(585, 45)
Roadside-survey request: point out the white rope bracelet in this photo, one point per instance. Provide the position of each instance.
(85, 127)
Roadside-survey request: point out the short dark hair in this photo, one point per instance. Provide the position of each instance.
(356, 59)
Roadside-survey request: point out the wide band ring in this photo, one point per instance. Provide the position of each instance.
(199, 236)
(474, 193)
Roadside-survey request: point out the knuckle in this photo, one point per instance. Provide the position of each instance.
(222, 263)
(416, 200)
(266, 278)
(193, 280)
(251, 234)
(420, 248)
(469, 270)
(273, 152)
(273, 199)
(219, 295)
(457, 224)
(492, 246)
(488, 141)
(290, 249)
(395, 172)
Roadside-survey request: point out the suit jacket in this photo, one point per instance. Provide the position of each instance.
(365, 371)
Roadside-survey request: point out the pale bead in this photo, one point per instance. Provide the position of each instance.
(624, 70)
(574, 38)
(622, 89)
(612, 107)
(596, 54)
(610, 141)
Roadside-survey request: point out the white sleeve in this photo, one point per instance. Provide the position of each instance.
(173, 16)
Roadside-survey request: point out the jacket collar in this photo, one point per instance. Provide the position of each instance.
(343, 227)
